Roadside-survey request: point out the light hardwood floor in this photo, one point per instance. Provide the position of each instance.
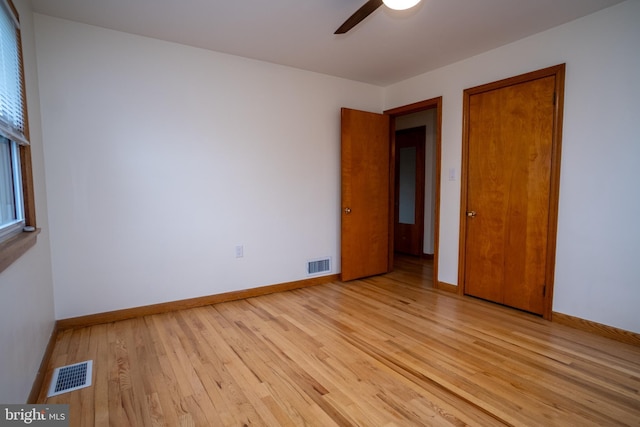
(384, 351)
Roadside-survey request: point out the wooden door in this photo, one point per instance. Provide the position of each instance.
(365, 194)
(510, 213)
(409, 194)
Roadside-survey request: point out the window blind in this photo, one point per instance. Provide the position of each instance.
(12, 114)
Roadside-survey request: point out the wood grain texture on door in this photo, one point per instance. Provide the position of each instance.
(365, 194)
(510, 146)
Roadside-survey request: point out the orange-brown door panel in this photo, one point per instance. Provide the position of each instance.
(365, 194)
(510, 137)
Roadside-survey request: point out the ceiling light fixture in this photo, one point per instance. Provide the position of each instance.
(371, 6)
(400, 4)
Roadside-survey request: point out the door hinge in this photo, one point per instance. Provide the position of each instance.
(544, 290)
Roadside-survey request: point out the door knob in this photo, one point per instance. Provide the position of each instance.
(471, 214)
(347, 211)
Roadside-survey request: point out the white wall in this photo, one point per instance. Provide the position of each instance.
(161, 158)
(26, 292)
(597, 269)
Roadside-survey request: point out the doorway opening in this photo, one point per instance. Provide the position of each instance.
(410, 233)
(407, 213)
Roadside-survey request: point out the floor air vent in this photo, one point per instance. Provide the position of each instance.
(71, 377)
(319, 266)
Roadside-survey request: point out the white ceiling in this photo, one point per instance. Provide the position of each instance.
(387, 47)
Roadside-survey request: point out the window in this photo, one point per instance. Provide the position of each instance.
(11, 212)
(16, 185)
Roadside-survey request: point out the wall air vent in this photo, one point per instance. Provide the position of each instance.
(71, 377)
(319, 266)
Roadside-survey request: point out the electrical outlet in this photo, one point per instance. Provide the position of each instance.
(239, 251)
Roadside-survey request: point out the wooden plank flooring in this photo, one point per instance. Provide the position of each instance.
(384, 351)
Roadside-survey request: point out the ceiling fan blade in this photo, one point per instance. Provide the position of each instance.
(367, 9)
